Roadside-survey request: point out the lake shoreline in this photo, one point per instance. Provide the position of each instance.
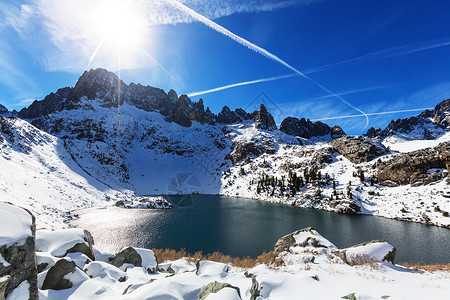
(403, 228)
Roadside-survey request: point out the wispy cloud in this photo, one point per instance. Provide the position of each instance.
(386, 53)
(11, 73)
(22, 103)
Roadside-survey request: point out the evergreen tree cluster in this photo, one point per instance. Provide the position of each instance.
(293, 183)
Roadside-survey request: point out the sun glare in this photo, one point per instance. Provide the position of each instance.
(121, 28)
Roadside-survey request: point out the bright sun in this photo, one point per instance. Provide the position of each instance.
(121, 27)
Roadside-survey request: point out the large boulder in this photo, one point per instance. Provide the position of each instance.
(61, 242)
(18, 262)
(264, 120)
(358, 149)
(376, 251)
(307, 237)
(417, 168)
(149, 262)
(63, 275)
(128, 255)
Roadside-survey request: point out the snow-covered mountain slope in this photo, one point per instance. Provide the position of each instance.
(38, 172)
(97, 142)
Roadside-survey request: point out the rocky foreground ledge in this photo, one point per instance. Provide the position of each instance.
(64, 264)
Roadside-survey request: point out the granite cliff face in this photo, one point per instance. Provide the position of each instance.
(358, 149)
(417, 168)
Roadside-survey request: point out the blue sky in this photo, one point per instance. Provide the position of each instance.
(378, 56)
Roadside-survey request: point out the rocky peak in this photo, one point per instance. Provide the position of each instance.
(307, 129)
(441, 114)
(101, 84)
(264, 120)
(337, 132)
(373, 132)
(3, 109)
(243, 114)
(173, 96)
(226, 116)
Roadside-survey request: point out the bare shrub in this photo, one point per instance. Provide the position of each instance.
(268, 258)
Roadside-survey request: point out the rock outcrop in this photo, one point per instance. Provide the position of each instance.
(17, 249)
(417, 168)
(264, 120)
(307, 129)
(248, 149)
(358, 149)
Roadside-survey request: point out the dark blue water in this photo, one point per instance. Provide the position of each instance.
(241, 227)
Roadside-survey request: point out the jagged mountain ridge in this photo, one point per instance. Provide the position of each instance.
(427, 125)
(105, 85)
(157, 143)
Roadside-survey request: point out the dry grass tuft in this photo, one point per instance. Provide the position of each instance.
(429, 268)
(363, 260)
(268, 258)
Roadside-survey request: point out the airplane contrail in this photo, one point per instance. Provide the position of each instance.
(378, 55)
(374, 114)
(356, 91)
(386, 53)
(257, 49)
(241, 84)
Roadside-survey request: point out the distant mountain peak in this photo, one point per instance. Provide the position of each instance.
(3, 109)
(429, 124)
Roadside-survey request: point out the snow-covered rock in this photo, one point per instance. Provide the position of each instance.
(63, 275)
(374, 250)
(18, 266)
(102, 269)
(145, 202)
(209, 268)
(63, 241)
